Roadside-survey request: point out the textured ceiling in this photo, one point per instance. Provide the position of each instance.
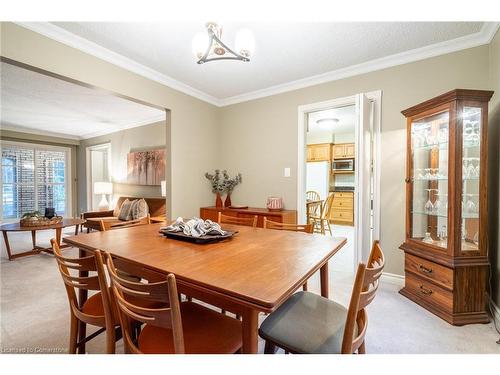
(284, 51)
(33, 101)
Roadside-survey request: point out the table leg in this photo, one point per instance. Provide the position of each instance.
(82, 297)
(33, 238)
(76, 229)
(7, 245)
(58, 236)
(250, 326)
(324, 280)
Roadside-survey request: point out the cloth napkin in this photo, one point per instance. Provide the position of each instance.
(195, 227)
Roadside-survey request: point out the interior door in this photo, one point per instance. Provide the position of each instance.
(364, 176)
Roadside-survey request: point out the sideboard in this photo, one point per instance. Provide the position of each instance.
(283, 216)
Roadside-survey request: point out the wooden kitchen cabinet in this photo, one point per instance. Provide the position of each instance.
(342, 211)
(343, 151)
(319, 152)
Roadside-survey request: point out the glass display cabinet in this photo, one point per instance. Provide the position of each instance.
(446, 257)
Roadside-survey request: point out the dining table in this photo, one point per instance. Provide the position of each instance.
(254, 271)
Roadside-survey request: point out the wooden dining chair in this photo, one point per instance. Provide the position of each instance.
(96, 310)
(309, 323)
(247, 221)
(311, 195)
(313, 210)
(306, 228)
(179, 327)
(105, 225)
(322, 223)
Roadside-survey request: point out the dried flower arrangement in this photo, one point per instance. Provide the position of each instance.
(222, 183)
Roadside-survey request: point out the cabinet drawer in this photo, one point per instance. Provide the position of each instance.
(343, 195)
(429, 270)
(429, 292)
(342, 203)
(342, 215)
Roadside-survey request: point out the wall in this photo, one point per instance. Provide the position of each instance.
(147, 137)
(8, 135)
(260, 136)
(494, 166)
(192, 136)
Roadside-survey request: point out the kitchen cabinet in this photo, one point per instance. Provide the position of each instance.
(319, 152)
(343, 151)
(342, 211)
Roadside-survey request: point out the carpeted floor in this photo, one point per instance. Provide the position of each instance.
(35, 317)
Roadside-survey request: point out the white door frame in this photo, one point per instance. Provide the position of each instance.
(88, 171)
(376, 98)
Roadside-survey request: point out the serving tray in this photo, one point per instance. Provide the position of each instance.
(200, 240)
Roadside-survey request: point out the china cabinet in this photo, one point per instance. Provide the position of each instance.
(446, 260)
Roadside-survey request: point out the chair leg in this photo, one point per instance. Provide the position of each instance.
(269, 348)
(110, 340)
(329, 227)
(82, 334)
(304, 287)
(73, 334)
(362, 349)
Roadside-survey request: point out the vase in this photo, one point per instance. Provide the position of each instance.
(218, 201)
(227, 202)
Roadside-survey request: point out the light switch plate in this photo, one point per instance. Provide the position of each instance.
(286, 172)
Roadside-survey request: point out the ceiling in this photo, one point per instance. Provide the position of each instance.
(287, 56)
(37, 103)
(346, 120)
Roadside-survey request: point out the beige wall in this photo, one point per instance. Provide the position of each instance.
(260, 136)
(494, 166)
(147, 137)
(192, 137)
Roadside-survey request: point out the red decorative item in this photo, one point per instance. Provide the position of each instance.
(274, 204)
(227, 202)
(218, 201)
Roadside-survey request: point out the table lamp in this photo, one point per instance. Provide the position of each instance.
(103, 188)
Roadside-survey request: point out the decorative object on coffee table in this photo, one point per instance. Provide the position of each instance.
(274, 204)
(50, 212)
(35, 219)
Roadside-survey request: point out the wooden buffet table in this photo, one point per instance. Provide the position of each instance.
(283, 216)
(255, 271)
(16, 227)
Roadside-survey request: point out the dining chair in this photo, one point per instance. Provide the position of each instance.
(322, 222)
(105, 225)
(226, 219)
(306, 228)
(309, 323)
(182, 327)
(313, 210)
(96, 310)
(312, 195)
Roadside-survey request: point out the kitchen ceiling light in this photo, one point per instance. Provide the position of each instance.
(209, 46)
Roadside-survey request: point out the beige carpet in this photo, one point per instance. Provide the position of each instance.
(34, 312)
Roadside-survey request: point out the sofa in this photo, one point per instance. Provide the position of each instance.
(93, 218)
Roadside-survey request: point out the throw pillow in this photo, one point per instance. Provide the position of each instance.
(125, 210)
(140, 209)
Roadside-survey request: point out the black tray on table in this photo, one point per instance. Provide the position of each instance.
(207, 238)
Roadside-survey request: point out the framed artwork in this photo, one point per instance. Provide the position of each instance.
(146, 167)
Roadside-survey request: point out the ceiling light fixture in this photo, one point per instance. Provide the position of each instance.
(328, 121)
(209, 46)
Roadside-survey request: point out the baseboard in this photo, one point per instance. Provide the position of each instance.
(392, 278)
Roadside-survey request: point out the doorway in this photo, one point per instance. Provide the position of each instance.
(98, 170)
(342, 135)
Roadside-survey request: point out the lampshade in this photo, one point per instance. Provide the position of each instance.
(103, 188)
(245, 43)
(199, 44)
(164, 188)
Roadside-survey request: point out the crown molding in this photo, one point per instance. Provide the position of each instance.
(60, 35)
(484, 36)
(24, 129)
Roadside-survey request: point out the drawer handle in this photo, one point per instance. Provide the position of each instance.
(425, 291)
(425, 269)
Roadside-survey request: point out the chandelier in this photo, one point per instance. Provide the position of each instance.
(209, 46)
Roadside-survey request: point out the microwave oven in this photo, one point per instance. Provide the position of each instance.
(344, 165)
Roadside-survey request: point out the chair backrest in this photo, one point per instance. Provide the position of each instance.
(312, 196)
(156, 206)
(314, 208)
(106, 225)
(226, 219)
(363, 292)
(306, 228)
(327, 207)
(162, 291)
(95, 281)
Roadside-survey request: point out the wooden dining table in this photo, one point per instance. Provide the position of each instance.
(254, 271)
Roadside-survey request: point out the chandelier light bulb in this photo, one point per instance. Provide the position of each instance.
(245, 42)
(200, 44)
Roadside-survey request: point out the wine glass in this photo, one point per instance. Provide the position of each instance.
(470, 206)
(437, 204)
(429, 206)
(465, 168)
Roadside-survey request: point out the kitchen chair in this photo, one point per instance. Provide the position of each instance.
(248, 221)
(311, 195)
(306, 228)
(322, 222)
(309, 323)
(182, 327)
(105, 225)
(96, 311)
(313, 210)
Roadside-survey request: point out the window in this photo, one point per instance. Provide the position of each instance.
(34, 177)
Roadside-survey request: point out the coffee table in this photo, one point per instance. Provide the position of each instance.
(16, 227)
